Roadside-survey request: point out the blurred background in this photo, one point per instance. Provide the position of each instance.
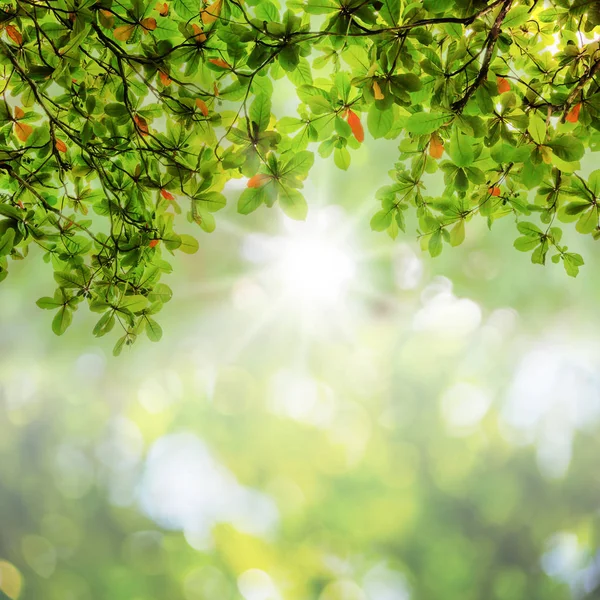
(330, 415)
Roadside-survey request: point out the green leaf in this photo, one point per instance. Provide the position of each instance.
(260, 111)
(381, 220)
(594, 182)
(153, 330)
(390, 11)
(457, 233)
(300, 164)
(379, 122)
(293, 203)
(435, 243)
(341, 158)
(105, 324)
(134, 303)
(48, 303)
(460, 149)
(409, 81)
(423, 122)
(160, 293)
(189, 244)
(567, 148)
(529, 229)
(7, 210)
(62, 320)
(516, 16)
(572, 262)
(302, 74)
(537, 129)
(211, 201)
(250, 200)
(7, 241)
(119, 345)
(187, 9)
(526, 243)
(588, 221)
(69, 279)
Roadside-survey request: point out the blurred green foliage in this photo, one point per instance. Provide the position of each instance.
(366, 449)
(427, 431)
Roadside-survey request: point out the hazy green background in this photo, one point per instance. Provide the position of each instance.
(366, 424)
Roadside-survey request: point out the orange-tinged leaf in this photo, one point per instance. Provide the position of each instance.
(148, 23)
(503, 85)
(14, 35)
(167, 195)
(436, 147)
(199, 35)
(154, 243)
(106, 19)
(258, 180)
(23, 131)
(60, 146)
(573, 114)
(211, 13)
(377, 91)
(355, 125)
(19, 112)
(123, 32)
(494, 191)
(202, 106)
(141, 123)
(219, 62)
(215, 88)
(166, 80)
(162, 8)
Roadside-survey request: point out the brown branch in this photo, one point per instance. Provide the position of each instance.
(490, 44)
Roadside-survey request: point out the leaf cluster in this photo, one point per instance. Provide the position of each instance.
(117, 117)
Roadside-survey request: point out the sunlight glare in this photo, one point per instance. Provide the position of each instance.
(315, 265)
(314, 270)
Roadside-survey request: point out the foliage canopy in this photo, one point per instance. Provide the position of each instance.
(118, 115)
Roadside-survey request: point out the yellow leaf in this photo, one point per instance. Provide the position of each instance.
(546, 154)
(199, 35)
(149, 23)
(211, 13)
(162, 8)
(23, 131)
(123, 32)
(377, 91)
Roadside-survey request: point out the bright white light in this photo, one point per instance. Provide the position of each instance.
(297, 396)
(184, 487)
(314, 270)
(383, 583)
(255, 584)
(555, 392)
(463, 407)
(553, 48)
(311, 265)
(408, 268)
(444, 313)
